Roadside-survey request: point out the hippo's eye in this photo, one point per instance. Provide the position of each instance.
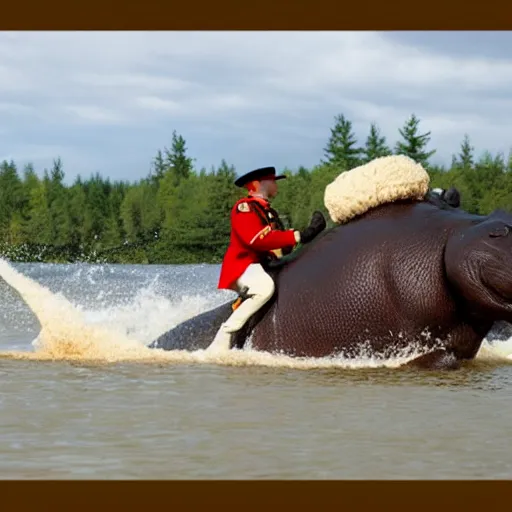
(501, 231)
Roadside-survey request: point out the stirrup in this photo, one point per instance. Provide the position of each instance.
(242, 295)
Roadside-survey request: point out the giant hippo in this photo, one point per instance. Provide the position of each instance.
(413, 271)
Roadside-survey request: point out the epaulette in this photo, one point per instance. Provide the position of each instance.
(243, 206)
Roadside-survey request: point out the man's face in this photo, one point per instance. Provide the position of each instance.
(270, 187)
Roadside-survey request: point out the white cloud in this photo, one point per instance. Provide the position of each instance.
(238, 95)
(94, 114)
(41, 155)
(128, 81)
(157, 104)
(15, 108)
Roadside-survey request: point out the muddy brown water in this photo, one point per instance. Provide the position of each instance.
(90, 401)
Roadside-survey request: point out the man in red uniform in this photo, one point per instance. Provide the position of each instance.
(257, 236)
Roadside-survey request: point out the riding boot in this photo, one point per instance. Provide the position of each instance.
(260, 288)
(221, 342)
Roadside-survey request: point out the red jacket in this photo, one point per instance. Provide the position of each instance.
(254, 235)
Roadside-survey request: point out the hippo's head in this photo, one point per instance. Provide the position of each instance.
(452, 197)
(478, 262)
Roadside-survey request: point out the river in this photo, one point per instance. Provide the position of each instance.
(87, 399)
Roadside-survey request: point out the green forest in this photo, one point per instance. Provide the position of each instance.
(180, 214)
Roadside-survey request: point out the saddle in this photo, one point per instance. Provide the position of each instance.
(272, 266)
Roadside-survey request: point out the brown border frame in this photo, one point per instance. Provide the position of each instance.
(265, 15)
(262, 496)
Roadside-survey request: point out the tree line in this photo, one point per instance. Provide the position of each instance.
(180, 214)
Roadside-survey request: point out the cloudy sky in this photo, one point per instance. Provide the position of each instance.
(108, 101)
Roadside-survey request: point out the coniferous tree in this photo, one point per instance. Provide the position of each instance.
(414, 144)
(58, 205)
(79, 215)
(158, 167)
(221, 196)
(177, 160)
(39, 226)
(178, 215)
(11, 196)
(509, 161)
(179, 168)
(342, 150)
(466, 155)
(375, 146)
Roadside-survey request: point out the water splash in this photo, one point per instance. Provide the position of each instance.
(120, 333)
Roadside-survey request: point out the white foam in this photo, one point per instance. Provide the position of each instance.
(120, 333)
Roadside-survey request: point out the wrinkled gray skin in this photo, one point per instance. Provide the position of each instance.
(382, 279)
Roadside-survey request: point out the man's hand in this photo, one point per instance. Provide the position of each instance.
(316, 226)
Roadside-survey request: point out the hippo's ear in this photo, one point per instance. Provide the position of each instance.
(499, 231)
(452, 197)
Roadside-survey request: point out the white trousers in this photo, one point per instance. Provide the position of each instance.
(260, 287)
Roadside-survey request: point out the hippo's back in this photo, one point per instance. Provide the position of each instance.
(363, 279)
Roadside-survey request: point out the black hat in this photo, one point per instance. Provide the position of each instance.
(258, 174)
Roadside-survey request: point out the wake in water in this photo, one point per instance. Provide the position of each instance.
(72, 333)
